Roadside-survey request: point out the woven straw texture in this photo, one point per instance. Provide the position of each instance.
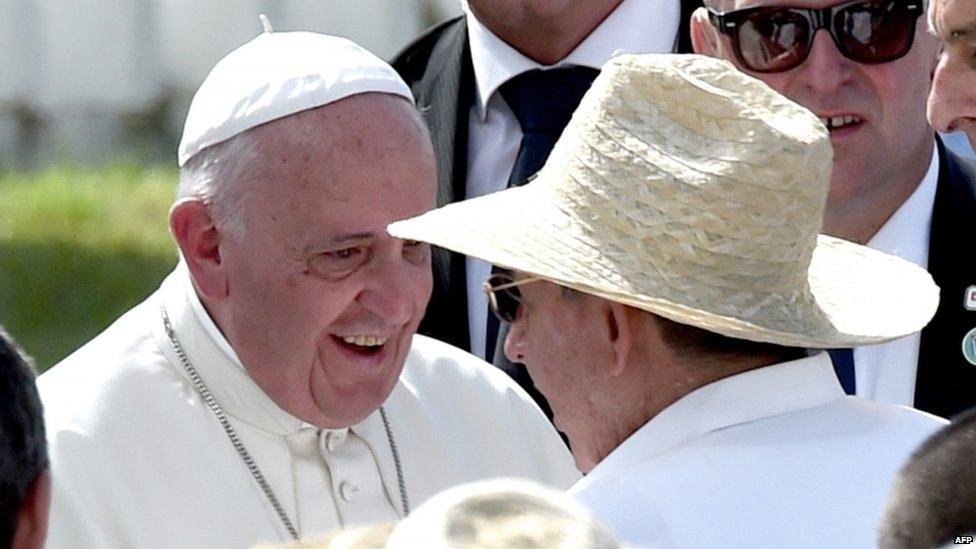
(684, 187)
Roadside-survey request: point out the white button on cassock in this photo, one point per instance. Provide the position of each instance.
(333, 439)
(348, 490)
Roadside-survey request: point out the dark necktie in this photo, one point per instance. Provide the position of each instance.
(543, 102)
(843, 360)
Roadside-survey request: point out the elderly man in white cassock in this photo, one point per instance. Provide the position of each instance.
(273, 387)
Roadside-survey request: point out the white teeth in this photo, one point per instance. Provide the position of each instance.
(365, 341)
(833, 122)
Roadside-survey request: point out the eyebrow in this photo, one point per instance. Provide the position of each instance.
(965, 33)
(339, 240)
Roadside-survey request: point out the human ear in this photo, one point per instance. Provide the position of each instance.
(31, 527)
(193, 227)
(704, 37)
(620, 334)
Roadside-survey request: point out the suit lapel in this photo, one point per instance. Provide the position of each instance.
(945, 379)
(443, 95)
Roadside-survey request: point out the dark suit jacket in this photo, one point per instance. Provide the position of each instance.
(946, 381)
(437, 66)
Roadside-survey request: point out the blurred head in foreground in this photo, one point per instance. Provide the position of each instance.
(933, 500)
(25, 483)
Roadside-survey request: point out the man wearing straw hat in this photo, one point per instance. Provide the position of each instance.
(497, 86)
(865, 68)
(666, 276)
(273, 386)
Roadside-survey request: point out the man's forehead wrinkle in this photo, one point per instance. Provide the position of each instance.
(338, 240)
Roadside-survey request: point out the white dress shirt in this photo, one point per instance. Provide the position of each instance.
(139, 460)
(773, 457)
(886, 372)
(636, 26)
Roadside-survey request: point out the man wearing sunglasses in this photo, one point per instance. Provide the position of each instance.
(865, 68)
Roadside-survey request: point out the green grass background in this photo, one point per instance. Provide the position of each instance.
(79, 246)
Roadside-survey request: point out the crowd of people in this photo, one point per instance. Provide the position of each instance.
(720, 253)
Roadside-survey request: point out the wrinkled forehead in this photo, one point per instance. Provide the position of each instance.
(953, 21)
(367, 156)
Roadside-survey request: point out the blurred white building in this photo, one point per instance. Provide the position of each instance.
(90, 80)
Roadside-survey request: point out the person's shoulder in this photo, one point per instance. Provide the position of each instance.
(433, 360)
(411, 61)
(108, 377)
(890, 421)
(438, 373)
(478, 409)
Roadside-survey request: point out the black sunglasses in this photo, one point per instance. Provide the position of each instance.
(775, 39)
(504, 297)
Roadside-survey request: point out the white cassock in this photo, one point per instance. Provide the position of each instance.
(139, 460)
(773, 457)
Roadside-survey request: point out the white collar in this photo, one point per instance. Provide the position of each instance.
(800, 384)
(906, 232)
(495, 62)
(204, 317)
(216, 362)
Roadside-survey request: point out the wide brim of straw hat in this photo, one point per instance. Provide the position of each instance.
(854, 295)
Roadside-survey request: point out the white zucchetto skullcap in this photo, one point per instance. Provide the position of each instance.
(276, 75)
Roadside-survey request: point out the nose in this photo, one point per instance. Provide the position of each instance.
(825, 69)
(389, 289)
(952, 100)
(514, 342)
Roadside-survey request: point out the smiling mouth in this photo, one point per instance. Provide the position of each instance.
(362, 344)
(839, 122)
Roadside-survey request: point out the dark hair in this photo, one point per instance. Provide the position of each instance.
(703, 344)
(700, 343)
(933, 499)
(23, 449)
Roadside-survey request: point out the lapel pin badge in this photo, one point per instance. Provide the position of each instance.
(969, 302)
(969, 346)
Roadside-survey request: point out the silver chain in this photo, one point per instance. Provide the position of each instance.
(396, 462)
(208, 398)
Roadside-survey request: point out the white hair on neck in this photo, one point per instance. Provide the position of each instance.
(223, 176)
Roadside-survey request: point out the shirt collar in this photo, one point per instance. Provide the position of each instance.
(786, 387)
(218, 364)
(906, 232)
(495, 62)
(203, 317)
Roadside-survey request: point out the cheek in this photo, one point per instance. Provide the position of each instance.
(422, 284)
(564, 343)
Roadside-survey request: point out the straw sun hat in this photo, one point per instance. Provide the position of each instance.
(686, 188)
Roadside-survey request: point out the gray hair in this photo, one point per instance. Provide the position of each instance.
(933, 498)
(501, 513)
(223, 176)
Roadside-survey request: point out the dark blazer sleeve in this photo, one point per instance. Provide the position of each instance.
(946, 382)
